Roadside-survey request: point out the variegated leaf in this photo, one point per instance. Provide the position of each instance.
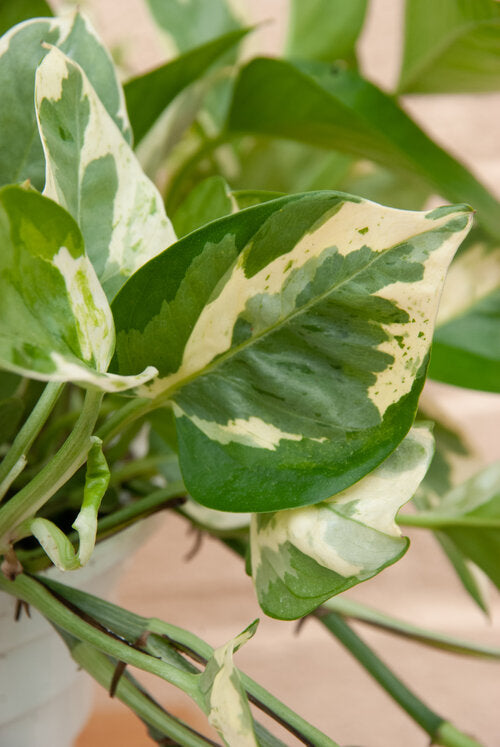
(226, 701)
(466, 346)
(55, 321)
(21, 51)
(94, 174)
(302, 557)
(292, 338)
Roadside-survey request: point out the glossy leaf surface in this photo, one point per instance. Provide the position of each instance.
(55, 321)
(324, 30)
(292, 339)
(342, 111)
(452, 46)
(21, 51)
(302, 557)
(93, 173)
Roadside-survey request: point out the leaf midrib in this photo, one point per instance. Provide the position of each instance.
(232, 351)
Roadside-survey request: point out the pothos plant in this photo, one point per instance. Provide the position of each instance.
(269, 337)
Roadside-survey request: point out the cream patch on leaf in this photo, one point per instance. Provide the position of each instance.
(140, 227)
(66, 370)
(409, 342)
(93, 318)
(377, 498)
(252, 432)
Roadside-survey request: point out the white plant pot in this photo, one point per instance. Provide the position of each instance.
(44, 699)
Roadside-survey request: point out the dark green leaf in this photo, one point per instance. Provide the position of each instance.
(148, 95)
(330, 107)
(451, 46)
(11, 411)
(15, 11)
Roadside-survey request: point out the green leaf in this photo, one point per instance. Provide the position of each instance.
(210, 199)
(149, 95)
(292, 339)
(289, 166)
(55, 321)
(226, 702)
(94, 174)
(466, 346)
(452, 46)
(454, 460)
(341, 111)
(21, 51)
(12, 13)
(324, 30)
(302, 557)
(189, 23)
(9, 384)
(469, 515)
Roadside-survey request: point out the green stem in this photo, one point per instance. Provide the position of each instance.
(54, 475)
(429, 520)
(436, 726)
(120, 419)
(32, 592)
(36, 560)
(29, 431)
(350, 608)
(102, 669)
(302, 729)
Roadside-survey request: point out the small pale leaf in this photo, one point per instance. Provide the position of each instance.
(304, 556)
(225, 699)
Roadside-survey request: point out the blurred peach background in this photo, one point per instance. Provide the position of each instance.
(211, 595)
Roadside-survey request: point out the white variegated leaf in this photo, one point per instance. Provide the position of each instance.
(303, 556)
(55, 320)
(292, 339)
(92, 172)
(21, 51)
(225, 699)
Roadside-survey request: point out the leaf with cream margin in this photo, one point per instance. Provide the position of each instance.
(451, 47)
(302, 557)
(226, 702)
(466, 345)
(21, 51)
(55, 321)
(93, 173)
(341, 111)
(14, 13)
(292, 339)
